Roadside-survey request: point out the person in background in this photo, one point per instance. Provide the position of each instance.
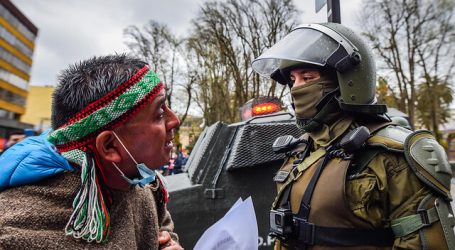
(186, 155)
(13, 139)
(90, 182)
(178, 162)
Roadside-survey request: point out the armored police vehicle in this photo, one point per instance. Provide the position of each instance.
(227, 162)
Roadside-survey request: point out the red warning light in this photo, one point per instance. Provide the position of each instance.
(265, 108)
(260, 106)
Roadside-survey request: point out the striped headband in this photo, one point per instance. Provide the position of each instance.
(113, 109)
(90, 219)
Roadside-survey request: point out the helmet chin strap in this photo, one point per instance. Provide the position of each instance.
(373, 108)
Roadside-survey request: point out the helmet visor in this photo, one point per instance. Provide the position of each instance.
(303, 45)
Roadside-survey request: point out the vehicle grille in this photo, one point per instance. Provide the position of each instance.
(253, 143)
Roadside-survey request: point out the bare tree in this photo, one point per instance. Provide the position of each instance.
(156, 44)
(212, 77)
(415, 40)
(226, 37)
(213, 65)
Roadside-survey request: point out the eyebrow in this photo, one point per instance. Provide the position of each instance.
(161, 99)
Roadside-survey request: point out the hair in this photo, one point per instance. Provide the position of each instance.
(87, 81)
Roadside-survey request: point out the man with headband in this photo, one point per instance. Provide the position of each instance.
(91, 182)
(357, 180)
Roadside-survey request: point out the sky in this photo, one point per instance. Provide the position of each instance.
(70, 31)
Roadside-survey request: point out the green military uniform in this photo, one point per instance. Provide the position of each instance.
(385, 190)
(357, 180)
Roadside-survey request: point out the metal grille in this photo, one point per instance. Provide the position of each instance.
(202, 144)
(253, 143)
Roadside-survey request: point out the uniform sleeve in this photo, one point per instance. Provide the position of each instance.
(387, 190)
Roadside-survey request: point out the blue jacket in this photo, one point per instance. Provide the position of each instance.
(31, 160)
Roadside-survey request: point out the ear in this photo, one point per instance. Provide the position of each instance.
(107, 148)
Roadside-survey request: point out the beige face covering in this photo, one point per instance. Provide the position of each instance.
(307, 96)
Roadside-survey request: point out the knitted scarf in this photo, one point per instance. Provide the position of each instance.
(75, 141)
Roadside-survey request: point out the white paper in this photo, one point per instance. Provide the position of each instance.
(237, 230)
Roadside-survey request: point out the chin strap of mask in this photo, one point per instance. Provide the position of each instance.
(147, 175)
(327, 105)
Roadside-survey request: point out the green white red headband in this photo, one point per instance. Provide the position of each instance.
(113, 109)
(90, 219)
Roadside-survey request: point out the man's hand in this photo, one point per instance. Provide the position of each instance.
(166, 242)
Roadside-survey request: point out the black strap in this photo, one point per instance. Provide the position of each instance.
(284, 203)
(310, 234)
(285, 198)
(304, 210)
(363, 108)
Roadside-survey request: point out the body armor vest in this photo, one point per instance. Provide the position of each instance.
(329, 211)
(328, 205)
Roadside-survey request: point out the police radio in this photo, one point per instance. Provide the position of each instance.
(355, 139)
(286, 143)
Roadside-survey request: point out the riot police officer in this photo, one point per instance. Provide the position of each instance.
(355, 180)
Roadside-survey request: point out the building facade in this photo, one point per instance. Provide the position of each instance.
(17, 43)
(38, 107)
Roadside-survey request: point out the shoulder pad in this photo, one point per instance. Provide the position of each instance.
(429, 161)
(391, 137)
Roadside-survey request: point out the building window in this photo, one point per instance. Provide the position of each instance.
(16, 62)
(6, 114)
(13, 79)
(11, 39)
(16, 23)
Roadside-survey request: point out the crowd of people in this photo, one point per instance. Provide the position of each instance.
(177, 163)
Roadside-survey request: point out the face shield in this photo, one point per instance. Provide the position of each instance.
(312, 44)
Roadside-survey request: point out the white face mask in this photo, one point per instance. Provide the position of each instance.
(146, 174)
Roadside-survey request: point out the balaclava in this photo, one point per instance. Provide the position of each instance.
(306, 97)
(317, 110)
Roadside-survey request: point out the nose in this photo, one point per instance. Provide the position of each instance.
(172, 121)
(299, 80)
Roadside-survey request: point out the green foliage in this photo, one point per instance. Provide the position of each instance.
(385, 94)
(434, 97)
